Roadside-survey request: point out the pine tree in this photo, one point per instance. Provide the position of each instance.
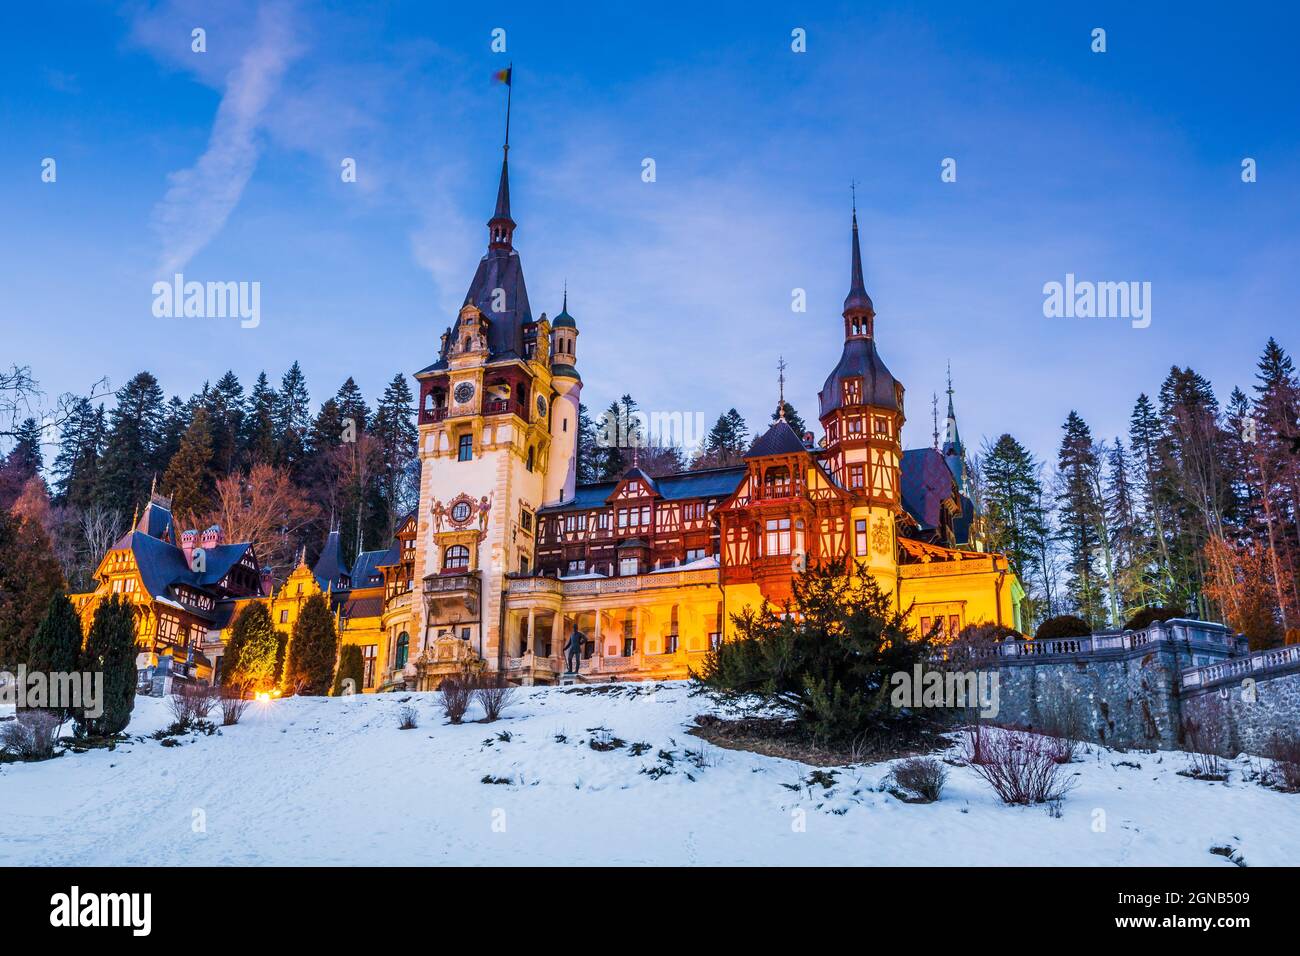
(589, 464)
(258, 438)
(726, 443)
(1014, 521)
(76, 466)
(352, 405)
(292, 419)
(132, 444)
(22, 464)
(225, 405)
(111, 650)
(1080, 508)
(249, 663)
(313, 649)
(399, 443)
(56, 646)
(189, 478)
(619, 430)
(1145, 441)
(1122, 523)
(352, 668)
(29, 577)
(792, 418)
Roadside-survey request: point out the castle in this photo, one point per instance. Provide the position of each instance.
(506, 554)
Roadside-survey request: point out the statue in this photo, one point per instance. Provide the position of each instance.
(438, 512)
(484, 509)
(573, 649)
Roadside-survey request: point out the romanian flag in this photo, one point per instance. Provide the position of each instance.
(503, 76)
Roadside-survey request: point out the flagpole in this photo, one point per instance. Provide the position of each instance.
(510, 89)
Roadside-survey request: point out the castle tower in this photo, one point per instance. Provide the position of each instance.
(486, 424)
(861, 411)
(562, 473)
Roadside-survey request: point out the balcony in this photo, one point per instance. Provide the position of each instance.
(505, 406)
(443, 591)
(595, 587)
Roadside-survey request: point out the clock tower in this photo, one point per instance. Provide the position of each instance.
(491, 410)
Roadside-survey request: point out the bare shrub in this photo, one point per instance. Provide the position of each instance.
(920, 779)
(233, 704)
(191, 702)
(1061, 720)
(1201, 739)
(31, 735)
(976, 742)
(454, 694)
(1020, 767)
(494, 694)
(408, 718)
(1284, 751)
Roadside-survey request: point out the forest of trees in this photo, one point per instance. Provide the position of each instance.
(1196, 508)
(256, 461)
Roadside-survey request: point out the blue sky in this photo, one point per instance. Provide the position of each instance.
(1122, 166)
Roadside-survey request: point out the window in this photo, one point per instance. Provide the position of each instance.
(860, 537)
(455, 558)
(575, 567)
(284, 617)
(881, 426)
(523, 564)
(778, 536)
(465, 450)
(575, 523)
(369, 655)
(622, 517)
(529, 464)
(954, 625)
(670, 643)
(627, 566)
(403, 649)
(525, 519)
(853, 391)
(629, 646)
(604, 521)
(925, 624)
(694, 554)
(854, 426)
(857, 477)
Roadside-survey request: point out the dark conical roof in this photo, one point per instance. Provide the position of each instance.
(859, 360)
(564, 320)
(502, 210)
(857, 300)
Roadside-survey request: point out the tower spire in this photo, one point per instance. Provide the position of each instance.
(859, 312)
(501, 226)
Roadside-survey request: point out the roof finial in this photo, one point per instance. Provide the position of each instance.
(565, 307)
(780, 379)
(934, 404)
(950, 411)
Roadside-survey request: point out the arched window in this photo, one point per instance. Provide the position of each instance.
(403, 649)
(455, 558)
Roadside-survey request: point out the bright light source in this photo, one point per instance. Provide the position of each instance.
(263, 695)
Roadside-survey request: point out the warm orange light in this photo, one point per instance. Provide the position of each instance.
(263, 695)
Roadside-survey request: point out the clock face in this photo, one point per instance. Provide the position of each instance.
(460, 511)
(541, 405)
(464, 392)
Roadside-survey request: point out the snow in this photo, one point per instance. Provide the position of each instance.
(323, 781)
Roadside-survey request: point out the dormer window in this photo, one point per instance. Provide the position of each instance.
(853, 391)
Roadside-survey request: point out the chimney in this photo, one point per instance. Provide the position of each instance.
(268, 582)
(188, 538)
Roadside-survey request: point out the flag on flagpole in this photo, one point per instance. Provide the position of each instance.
(503, 76)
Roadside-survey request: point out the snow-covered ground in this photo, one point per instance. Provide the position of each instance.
(334, 781)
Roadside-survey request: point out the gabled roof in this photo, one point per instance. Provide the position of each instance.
(925, 483)
(366, 573)
(780, 439)
(705, 483)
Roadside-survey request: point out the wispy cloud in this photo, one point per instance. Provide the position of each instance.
(200, 199)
